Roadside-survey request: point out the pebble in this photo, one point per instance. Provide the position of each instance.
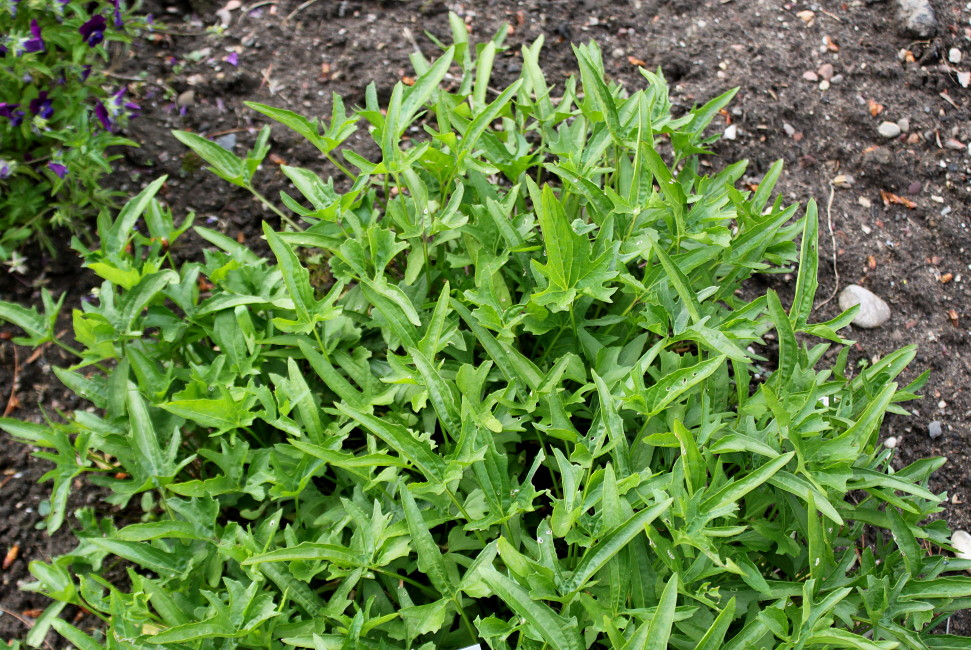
(961, 541)
(188, 98)
(809, 75)
(731, 132)
(826, 71)
(878, 156)
(904, 124)
(916, 18)
(888, 129)
(954, 55)
(934, 430)
(837, 78)
(874, 312)
(890, 442)
(789, 129)
(225, 18)
(824, 85)
(914, 188)
(227, 142)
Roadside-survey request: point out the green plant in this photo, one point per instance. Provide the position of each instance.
(56, 118)
(518, 411)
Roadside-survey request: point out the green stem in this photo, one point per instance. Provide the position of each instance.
(451, 495)
(473, 635)
(266, 202)
(341, 167)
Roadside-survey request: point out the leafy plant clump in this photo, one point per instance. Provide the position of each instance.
(57, 115)
(503, 388)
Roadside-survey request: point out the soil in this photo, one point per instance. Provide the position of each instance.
(894, 211)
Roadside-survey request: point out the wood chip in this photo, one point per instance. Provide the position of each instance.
(11, 556)
(633, 60)
(831, 45)
(874, 107)
(890, 198)
(947, 277)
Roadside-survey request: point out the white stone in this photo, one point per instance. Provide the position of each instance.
(731, 132)
(888, 129)
(890, 443)
(954, 55)
(874, 312)
(961, 541)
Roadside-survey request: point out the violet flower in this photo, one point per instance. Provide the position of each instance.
(6, 169)
(35, 43)
(6, 110)
(42, 106)
(232, 59)
(85, 72)
(102, 114)
(93, 31)
(119, 23)
(58, 169)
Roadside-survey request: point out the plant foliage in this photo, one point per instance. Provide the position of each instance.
(57, 115)
(503, 387)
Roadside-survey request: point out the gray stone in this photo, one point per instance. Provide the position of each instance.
(916, 18)
(888, 129)
(227, 142)
(874, 312)
(878, 156)
(934, 429)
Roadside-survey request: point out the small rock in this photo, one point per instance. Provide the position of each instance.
(824, 85)
(188, 98)
(789, 129)
(942, 405)
(890, 443)
(904, 124)
(888, 129)
(878, 156)
(954, 55)
(934, 430)
(806, 16)
(914, 188)
(225, 18)
(865, 203)
(964, 78)
(618, 53)
(844, 181)
(826, 71)
(837, 78)
(874, 312)
(809, 75)
(916, 18)
(961, 541)
(731, 132)
(227, 142)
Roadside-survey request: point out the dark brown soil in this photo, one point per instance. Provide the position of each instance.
(294, 55)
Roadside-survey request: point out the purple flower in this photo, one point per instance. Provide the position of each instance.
(5, 169)
(17, 118)
(232, 59)
(93, 31)
(102, 114)
(85, 72)
(58, 169)
(6, 110)
(117, 15)
(42, 105)
(35, 43)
